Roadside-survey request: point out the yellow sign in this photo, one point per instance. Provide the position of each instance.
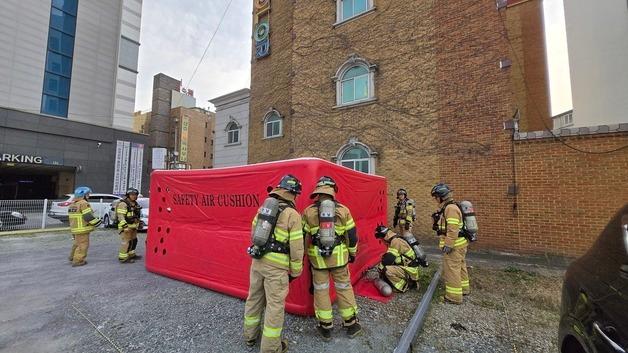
(183, 150)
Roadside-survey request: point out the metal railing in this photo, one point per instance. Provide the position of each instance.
(27, 214)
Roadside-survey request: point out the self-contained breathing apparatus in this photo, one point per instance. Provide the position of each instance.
(134, 209)
(263, 235)
(408, 237)
(469, 227)
(326, 238)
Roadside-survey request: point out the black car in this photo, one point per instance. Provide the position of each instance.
(11, 219)
(594, 309)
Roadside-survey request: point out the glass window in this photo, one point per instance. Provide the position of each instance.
(273, 126)
(54, 106)
(355, 85)
(56, 85)
(356, 158)
(69, 6)
(59, 64)
(233, 133)
(60, 42)
(351, 8)
(62, 21)
(129, 52)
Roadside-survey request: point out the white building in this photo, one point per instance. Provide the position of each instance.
(597, 40)
(231, 141)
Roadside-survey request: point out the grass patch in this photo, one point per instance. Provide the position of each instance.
(519, 275)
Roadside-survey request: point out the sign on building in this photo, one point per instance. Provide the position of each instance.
(183, 149)
(128, 166)
(159, 158)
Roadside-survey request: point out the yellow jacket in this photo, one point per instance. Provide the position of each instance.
(82, 219)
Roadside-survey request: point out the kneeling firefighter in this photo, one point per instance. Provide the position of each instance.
(128, 215)
(82, 222)
(400, 263)
(332, 243)
(277, 251)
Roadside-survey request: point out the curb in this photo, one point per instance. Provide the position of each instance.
(33, 231)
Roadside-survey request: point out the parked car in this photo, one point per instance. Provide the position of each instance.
(100, 204)
(110, 219)
(11, 219)
(594, 308)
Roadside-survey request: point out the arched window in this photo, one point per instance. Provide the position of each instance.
(355, 82)
(233, 133)
(357, 156)
(273, 125)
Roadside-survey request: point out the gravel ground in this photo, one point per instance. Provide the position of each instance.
(509, 310)
(47, 306)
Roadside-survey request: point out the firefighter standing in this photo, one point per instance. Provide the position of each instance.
(82, 222)
(279, 261)
(332, 244)
(128, 213)
(399, 266)
(405, 212)
(447, 223)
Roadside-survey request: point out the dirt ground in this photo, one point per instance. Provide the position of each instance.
(509, 310)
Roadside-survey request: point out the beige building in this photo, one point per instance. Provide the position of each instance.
(141, 122)
(192, 137)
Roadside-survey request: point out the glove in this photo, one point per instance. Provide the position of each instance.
(447, 250)
(351, 259)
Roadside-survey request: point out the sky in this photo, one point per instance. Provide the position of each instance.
(176, 32)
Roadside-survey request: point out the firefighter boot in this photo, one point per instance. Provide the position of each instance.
(78, 264)
(353, 329)
(324, 329)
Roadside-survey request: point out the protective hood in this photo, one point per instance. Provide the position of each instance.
(283, 194)
(389, 236)
(324, 189)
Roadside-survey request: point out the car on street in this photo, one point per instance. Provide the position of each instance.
(100, 204)
(11, 219)
(594, 306)
(110, 219)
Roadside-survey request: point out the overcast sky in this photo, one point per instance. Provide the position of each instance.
(175, 33)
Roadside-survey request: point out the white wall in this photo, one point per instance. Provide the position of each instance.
(23, 42)
(597, 39)
(234, 105)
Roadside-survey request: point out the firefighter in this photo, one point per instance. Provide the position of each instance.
(332, 242)
(128, 213)
(405, 212)
(82, 222)
(275, 264)
(448, 223)
(399, 265)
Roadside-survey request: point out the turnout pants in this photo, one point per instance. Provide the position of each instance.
(399, 277)
(268, 288)
(128, 244)
(455, 274)
(79, 248)
(347, 306)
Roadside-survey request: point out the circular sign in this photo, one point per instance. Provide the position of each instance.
(261, 31)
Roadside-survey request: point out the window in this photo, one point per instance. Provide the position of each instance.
(233, 133)
(355, 82)
(273, 125)
(205, 155)
(357, 156)
(58, 72)
(129, 51)
(348, 9)
(205, 139)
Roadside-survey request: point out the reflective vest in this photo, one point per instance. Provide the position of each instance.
(81, 216)
(340, 255)
(128, 213)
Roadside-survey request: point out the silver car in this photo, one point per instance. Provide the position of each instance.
(109, 220)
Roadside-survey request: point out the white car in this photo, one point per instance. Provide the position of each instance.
(100, 204)
(109, 219)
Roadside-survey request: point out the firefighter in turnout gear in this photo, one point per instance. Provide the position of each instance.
(82, 222)
(399, 266)
(405, 212)
(128, 212)
(332, 242)
(276, 261)
(448, 222)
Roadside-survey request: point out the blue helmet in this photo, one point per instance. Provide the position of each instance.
(81, 191)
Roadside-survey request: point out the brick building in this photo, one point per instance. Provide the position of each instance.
(141, 122)
(419, 92)
(193, 136)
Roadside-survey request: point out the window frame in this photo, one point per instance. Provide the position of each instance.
(352, 144)
(233, 133)
(340, 18)
(339, 78)
(278, 119)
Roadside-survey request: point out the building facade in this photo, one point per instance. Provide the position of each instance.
(70, 66)
(231, 145)
(597, 46)
(141, 122)
(193, 137)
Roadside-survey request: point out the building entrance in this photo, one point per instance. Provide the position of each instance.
(29, 181)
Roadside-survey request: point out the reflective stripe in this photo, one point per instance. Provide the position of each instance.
(254, 223)
(460, 242)
(353, 249)
(323, 314)
(321, 286)
(132, 252)
(411, 270)
(306, 227)
(465, 284)
(296, 265)
(281, 235)
(123, 255)
(272, 332)
(281, 259)
(314, 229)
(341, 285)
(410, 254)
(393, 251)
(400, 285)
(453, 290)
(251, 320)
(87, 210)
(350, 224)
(313, 255)
(296, 235)
(348, 313)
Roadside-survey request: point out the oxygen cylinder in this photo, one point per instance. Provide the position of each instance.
(418, 250)
(327, 228)
(266, 220)
(384, 288)
(469, 220)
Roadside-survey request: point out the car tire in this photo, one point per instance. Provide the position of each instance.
(105, 221)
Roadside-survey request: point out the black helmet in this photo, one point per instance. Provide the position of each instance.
(402, 191)
(440, 190)
(327, 181)
(381, 231)
(291, 183)
(130, 191)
